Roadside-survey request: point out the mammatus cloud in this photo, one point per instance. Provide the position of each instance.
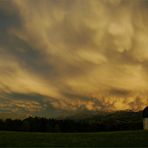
(62, 56)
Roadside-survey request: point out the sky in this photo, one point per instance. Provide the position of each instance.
(62, 57)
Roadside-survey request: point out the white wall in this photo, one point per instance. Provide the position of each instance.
(145, 123)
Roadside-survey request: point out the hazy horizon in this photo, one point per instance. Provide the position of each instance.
(61, 57)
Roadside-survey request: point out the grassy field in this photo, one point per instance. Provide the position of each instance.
(103, 139)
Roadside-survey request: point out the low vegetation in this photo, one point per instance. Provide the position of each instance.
(103, 122)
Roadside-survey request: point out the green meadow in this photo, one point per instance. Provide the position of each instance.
(101, 139)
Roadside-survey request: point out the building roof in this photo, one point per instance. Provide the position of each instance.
(145, 112)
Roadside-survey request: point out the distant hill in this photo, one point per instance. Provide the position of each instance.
(124, 116)
(12, 116)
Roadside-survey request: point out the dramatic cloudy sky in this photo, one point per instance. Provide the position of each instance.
(59, 57)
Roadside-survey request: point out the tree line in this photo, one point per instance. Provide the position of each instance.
(38, 124)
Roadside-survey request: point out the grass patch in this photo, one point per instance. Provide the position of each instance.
(102, 139)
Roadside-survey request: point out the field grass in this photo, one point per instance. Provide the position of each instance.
(102, 139)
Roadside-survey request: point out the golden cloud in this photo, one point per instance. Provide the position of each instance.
(73, 50)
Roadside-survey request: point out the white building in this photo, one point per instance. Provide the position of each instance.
(145, 118)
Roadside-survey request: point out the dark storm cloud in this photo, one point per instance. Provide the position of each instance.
(10, 44)
(29, 104)
(9, 15)
(120, 92)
